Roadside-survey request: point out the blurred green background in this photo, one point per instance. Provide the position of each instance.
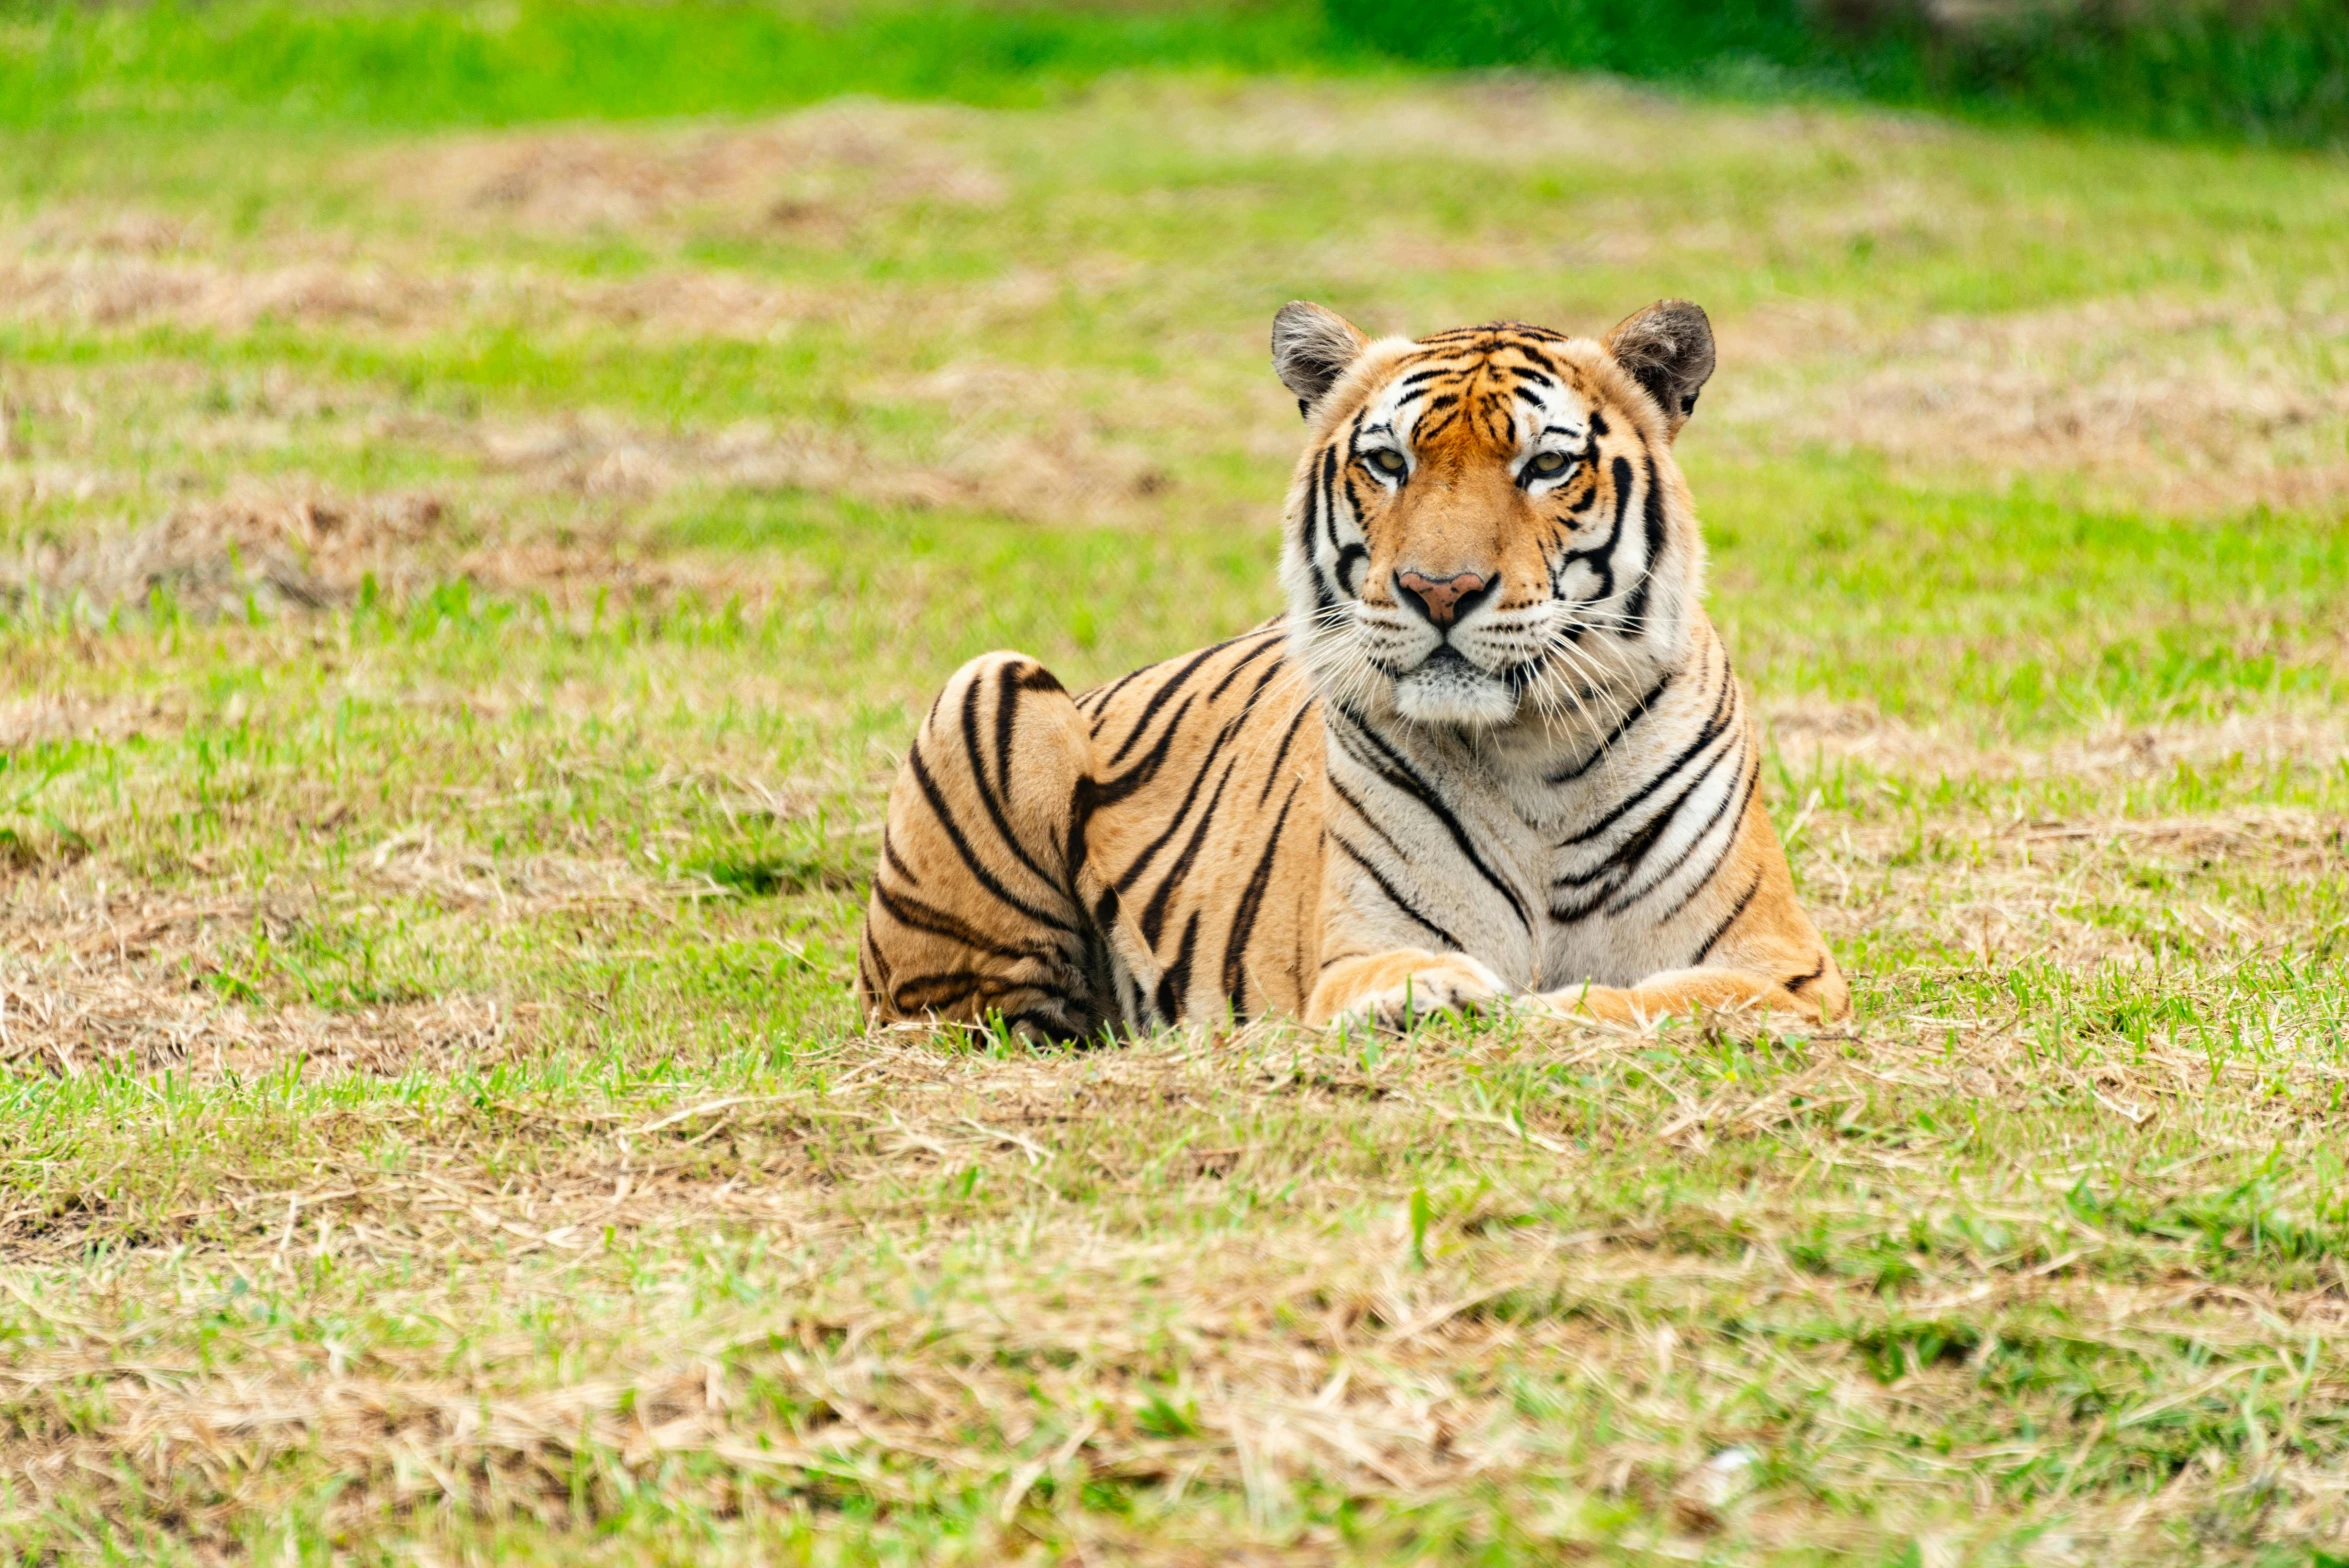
(2260, 70)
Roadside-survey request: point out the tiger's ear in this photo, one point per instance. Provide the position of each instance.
(1311, 347)
(1668, 348)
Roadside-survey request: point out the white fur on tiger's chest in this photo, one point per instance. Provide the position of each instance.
(1590, 878)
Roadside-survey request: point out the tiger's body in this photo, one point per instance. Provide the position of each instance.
(1493, 750)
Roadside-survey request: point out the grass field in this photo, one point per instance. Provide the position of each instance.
(466, 590)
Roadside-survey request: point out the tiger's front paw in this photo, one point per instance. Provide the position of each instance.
(1419, 986)
(1585, 1003)
(1679, 992)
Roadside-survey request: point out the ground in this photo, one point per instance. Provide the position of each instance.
(466, 594)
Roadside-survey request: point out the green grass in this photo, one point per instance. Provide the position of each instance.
(439, 64)
(466, 586)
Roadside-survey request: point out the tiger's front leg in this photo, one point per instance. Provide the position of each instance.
(1372, 972)
(973, 910)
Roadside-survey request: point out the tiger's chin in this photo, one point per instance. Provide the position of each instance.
(1448, 690)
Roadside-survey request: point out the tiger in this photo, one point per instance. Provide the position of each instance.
(1491, 756)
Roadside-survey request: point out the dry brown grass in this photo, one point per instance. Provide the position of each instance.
(820, 172)
(1255, 1366)
(2192, 406)
(268, 549)
(1816, 733)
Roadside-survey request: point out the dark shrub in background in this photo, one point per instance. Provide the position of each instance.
(2270, 72)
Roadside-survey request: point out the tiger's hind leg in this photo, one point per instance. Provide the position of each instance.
(973, 910)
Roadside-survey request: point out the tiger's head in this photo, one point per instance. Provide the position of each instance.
(1487, 525)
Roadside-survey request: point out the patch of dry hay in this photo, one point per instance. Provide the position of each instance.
(139, 983)
(278, 551)
(392, 300)
(2188, 405)
(75, 1023)
(273, 549)
(1812, 733)
(134, 982)
(1311, 1357)
(2126, 889)
(991, 460)
(44, 718)
(818, 172)
(2079, 897)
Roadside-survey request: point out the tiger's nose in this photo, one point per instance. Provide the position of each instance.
(1446, 600)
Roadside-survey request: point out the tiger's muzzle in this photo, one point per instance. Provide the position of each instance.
(1447, 651)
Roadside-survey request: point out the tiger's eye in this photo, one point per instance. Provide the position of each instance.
(1549, 465)
(1387, 461)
